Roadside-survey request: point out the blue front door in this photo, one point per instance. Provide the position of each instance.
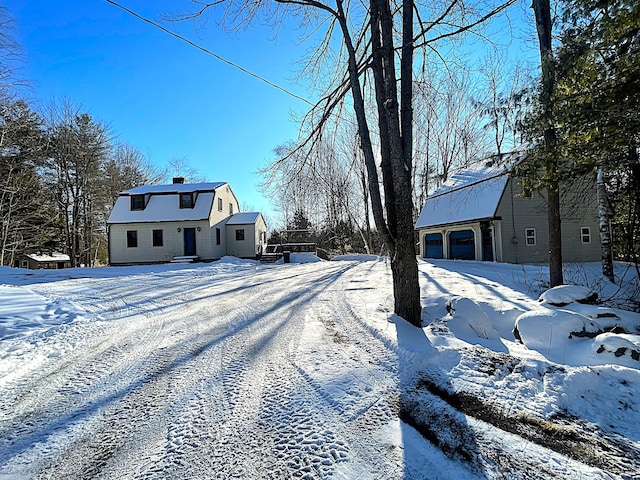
(189, 241)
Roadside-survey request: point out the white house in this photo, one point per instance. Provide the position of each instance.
(160, 223)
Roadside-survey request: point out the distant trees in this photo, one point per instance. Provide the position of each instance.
(26, 206)
(58, 181)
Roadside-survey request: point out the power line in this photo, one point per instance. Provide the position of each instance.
(209, 52)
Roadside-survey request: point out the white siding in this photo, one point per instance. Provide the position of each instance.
(254, 240)
(145, 252)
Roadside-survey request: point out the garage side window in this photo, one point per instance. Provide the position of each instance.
(157, 238)
(132, 238)
(530, 236)
(585, 234)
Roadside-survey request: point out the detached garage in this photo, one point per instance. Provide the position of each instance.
(481, 213)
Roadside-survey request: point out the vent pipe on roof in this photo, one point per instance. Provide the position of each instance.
(178, 180)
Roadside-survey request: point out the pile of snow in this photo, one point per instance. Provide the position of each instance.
(563, 329)
(565, 294)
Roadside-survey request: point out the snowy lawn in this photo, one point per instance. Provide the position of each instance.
(240, 370)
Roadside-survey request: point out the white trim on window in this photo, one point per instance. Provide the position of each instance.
(585, 235)
(530, 237)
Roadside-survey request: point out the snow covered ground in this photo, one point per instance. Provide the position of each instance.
(240, 370)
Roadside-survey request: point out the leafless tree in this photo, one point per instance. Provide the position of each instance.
(378, 43)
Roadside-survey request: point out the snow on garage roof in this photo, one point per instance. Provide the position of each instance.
(468, 195)
(243, 218)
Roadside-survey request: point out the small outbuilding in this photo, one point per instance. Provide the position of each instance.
(51, 261)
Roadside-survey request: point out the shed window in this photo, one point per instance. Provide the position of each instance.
(186, 200)
(240, 234)
(585, 234)
(157, 238)
(132, 238)
(137, 202)
(530, 236)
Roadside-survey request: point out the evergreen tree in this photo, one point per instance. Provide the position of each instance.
(27, 220)
(78, 150)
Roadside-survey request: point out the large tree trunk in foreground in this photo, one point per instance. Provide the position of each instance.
(396, 123)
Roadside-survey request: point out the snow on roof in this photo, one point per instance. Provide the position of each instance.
(174, 188)
(471, 194)
(53, 257)
(162, 208)
(243, 218)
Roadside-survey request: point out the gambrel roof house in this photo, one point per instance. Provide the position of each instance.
(481, 213)
(163, 223)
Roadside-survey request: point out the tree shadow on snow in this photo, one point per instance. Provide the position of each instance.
(426, 407)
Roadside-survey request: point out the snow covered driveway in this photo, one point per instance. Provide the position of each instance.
(207, 372)
(239, 370)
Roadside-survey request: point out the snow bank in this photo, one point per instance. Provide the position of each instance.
(304, 258)
(566, 294)
(24, 313)
(357, 258)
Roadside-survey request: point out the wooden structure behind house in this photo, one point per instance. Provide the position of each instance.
(483, 214)
(52, 261)
(161, 223)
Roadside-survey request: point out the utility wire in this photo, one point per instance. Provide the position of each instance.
(209, 52)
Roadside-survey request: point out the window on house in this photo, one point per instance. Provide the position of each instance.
(585, 234)
(217, 236)
(530, 236)
(24, 263)
(240, 234)
(186, 200)
(132, 238)
(137, 202)
(231, 209)
(219, 204)
(157, 238)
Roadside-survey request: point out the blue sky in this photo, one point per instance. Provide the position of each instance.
(169, 99)
(161, 95)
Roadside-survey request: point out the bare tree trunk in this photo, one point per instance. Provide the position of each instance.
(604, 225)
(542, 10)
(363, 129)
(397, 152)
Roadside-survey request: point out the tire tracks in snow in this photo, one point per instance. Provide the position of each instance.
(211, 379)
